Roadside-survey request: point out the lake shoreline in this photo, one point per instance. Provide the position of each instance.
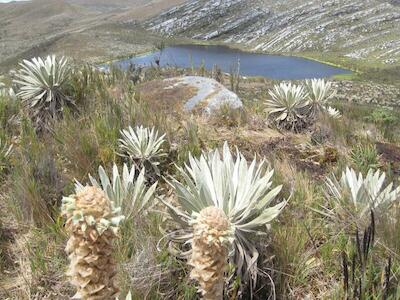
(231, 46)
(253, 63)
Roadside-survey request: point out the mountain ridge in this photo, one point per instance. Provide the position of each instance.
(356, 29)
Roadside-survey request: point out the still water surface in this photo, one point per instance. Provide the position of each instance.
(251, 64)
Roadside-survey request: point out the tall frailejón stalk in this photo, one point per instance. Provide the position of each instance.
(211, 231)
(92, 224)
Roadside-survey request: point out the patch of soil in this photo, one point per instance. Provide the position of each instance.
(314, 160)
(390, 154)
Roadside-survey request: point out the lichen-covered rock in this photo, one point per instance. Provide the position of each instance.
(188, 94)
(92, 223)
(209, 252)
(209, 96)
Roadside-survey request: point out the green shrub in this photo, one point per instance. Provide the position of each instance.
(386, 120)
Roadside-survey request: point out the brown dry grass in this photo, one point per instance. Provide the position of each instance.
(162, 96)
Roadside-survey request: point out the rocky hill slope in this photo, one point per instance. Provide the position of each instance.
(359, 29)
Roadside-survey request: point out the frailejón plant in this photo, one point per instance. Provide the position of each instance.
(143, 145)
(363, 194)
(319, 93)
(333, 112)
(42, 86)
(287, 107)
(127, 190)
(242, 192)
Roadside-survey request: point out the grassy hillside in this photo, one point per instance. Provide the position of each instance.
(304, 203)
(304, 251)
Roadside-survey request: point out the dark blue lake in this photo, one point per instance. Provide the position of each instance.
(251, 64)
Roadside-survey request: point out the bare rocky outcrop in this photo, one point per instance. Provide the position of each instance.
(210, 94)
(360, 29)
(189, 93)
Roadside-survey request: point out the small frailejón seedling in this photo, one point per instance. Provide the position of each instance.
(333, 112)
(6, 91)
(143, 146)
(92, 223)
(127, 190)
(319, 93)
(287, 107)
(42, 87)
(355, 196)
(239, 191)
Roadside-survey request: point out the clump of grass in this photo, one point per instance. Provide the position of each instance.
(39, 276)
(234, 77)
(80, 149)
(36, 180)
(295, 262)
(229, 117)
(2, 247)
(5, 153)
(217, 74)
(365, 157)
(388, 225)
(294, 246)
(9, 120)
(191, 142)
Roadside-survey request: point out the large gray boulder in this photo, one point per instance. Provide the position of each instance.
(207, 94)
